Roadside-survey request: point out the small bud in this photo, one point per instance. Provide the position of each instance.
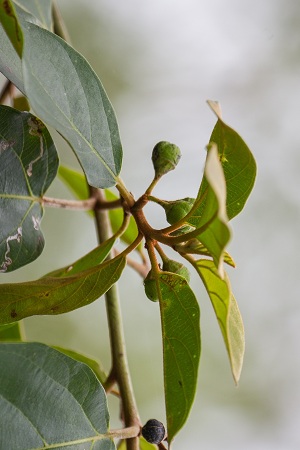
(165, 157)
(150, 287)
(176, 267)
(177, 209)
(154, 431)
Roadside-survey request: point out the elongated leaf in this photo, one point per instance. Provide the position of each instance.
(10, 332)
(92, 363)
(50, 400)
(211, 218)
(28, 165)
(227, 313)
(10, 23)
(37, 11)
(77, 184)
(66, 93)
(57, 295)
(181, 347)
(194, 247)
(10, 61)
(238, 164)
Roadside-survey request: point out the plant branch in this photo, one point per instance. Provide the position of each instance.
(80, 205)
(124, 433)
(120, 368)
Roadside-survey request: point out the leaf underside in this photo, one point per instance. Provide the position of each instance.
(227, 313)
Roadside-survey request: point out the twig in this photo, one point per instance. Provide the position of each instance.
(120, 368)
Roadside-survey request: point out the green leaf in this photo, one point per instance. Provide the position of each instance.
(10, 332)
(50, 400)
(144, 445)
(180, 317)
(10, 23)
(76, 182)
(227, 313)
(56, 295)
(194, 247)
(210, 217)
(10, 62)
(35, 11)
(238, 164)
(38, 11)
(28, 165)
(92, 363)
(65, 92)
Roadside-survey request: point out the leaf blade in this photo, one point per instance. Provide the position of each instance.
(78, 108)
(227, 313)
(57, 295)
(237, 161)
(210, 215)
(180, 317)
(72, 403)
(10, 23)
(28, 165)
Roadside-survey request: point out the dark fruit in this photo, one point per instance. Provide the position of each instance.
(154, 431)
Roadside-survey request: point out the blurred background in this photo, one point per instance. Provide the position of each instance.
(159, 62)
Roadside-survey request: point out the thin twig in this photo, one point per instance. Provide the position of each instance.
(120, 367)
(81, 205)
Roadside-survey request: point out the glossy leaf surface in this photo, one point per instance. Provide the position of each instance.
(238, 164)
(10, 24)
(55, 402)
(65, 92)
(227, 313)
(56, 295)
(28, 165)
(180, 317)
(77, 184)
(210, 217)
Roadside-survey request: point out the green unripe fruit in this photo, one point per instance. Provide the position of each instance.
(182, 230)
(150, 287)
(177, 209)
(165, 157)
(176, 267)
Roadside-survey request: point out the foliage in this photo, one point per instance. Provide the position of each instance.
(53, 398)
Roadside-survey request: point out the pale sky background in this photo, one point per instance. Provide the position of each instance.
(160, 61)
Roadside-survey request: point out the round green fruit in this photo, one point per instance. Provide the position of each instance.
(165, 157)
(150, 287)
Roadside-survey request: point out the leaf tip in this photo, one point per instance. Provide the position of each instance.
(215, 107)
